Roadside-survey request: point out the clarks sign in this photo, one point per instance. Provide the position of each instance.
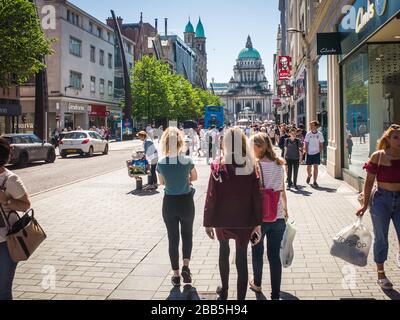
(328, 44)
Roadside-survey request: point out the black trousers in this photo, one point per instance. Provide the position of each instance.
(153, 174)
(178, 211)
(293, 171)
(241, 267)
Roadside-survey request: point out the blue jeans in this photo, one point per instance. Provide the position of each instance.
(7, 272)
(274, 233)
(385, 207)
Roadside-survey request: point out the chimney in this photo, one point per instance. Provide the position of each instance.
(156, 25)
(110, 22)
(166, 26)
(141, 17)
(120, 20)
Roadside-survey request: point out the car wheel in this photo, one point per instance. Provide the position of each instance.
(106, 150)
(23, 160)
(51, 156)
(63, 154)
(90, 153)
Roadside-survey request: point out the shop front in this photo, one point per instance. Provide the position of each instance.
(98, 116)
(74, 116)
(300, 98)
(370, 81)
(10, 110)
(114, 123)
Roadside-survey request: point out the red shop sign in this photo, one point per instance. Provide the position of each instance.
(284, 68)
(98, 111)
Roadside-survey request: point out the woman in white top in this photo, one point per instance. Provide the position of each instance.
(13, 197)
(272, 177)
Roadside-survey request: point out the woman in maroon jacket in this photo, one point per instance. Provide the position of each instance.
(233, 207)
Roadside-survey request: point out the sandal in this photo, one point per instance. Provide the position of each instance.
(385, 283)
(255, 288)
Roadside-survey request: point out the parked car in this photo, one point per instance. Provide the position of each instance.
(28, 148)
(83, 143)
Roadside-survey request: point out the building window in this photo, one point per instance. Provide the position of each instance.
(75, 80)
(72, 17)
(259, 107)
(109, 39)
(110, 88)
(75, 47)
(101, 86)
(90, 27)
(102, 57)
(92, 54)
(110, 60)
(92, 84)
(99, 32)
(238, 107)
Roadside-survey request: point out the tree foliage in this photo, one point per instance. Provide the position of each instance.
(159, 93)
(357, 93)
(22, 42)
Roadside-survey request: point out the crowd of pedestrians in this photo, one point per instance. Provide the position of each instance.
(246, 199)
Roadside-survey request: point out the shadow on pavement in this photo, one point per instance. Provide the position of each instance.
(392, 294)
(288, 296)
(301, 191)
(143, 193)
(328, 190)
(189, 293)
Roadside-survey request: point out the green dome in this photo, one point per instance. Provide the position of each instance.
(200, 30)
(249, 52)
(189, 28)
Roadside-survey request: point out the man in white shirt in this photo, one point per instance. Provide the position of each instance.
(314, 143)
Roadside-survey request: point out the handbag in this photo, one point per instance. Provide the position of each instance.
(24, 236)
(270, 200)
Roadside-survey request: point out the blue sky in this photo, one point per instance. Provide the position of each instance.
(226, 22)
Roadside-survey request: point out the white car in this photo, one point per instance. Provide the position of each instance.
(83, 143)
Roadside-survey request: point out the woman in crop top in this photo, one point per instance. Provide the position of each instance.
(384, 167)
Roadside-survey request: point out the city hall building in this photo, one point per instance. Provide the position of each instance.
(248, 92)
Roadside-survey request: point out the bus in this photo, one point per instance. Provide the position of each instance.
(214, 116)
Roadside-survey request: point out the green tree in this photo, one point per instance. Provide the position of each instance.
(159, 93)
(357, 93)
(22, 41)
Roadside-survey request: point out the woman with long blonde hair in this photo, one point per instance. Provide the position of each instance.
(233, 208)
(272, 177)
(384, 167)
(177, 172)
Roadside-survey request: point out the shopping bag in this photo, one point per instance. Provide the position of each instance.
(352, 244)
(287, 251)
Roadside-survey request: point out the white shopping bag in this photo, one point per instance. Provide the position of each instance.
(287, 252)
(352, 244)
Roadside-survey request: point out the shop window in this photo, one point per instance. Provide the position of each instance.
(357, 139)
(75, 47)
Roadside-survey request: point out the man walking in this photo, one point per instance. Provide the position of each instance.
(314, 143)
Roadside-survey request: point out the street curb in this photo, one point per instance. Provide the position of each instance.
(74, 182)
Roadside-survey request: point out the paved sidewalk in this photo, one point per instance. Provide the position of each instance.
(105, 241)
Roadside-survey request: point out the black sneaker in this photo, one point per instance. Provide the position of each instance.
(176, 281)
(288, 187)
(186, 275)
(296, 187)
(308, 180)
(315, 185)
(222, 294)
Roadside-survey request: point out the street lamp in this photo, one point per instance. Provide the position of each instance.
(294, 30)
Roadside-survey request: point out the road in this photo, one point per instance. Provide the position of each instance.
(40, 177)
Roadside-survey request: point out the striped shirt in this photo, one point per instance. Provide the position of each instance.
(273, 177)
